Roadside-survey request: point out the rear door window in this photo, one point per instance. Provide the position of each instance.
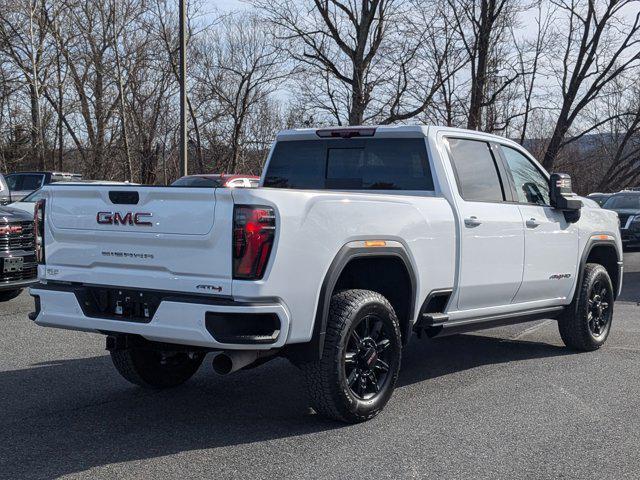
(351, 164)
(476, 170)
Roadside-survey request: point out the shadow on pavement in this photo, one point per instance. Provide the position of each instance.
(426, 359)
(70, 415)
(630, 287)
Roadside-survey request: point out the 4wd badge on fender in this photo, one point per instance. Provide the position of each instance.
(559, 276)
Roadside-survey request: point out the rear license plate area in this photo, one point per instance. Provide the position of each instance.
(119, 304)
(12, 265)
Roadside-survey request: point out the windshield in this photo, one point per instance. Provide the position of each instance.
(33, 197)
(197, 182)
(623, 202)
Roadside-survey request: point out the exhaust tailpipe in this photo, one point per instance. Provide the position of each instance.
(231, 361)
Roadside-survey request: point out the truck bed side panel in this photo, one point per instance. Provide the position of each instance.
(314, 225)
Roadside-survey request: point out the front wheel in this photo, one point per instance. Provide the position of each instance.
(586, 324)
(356, 375)
(154, 368)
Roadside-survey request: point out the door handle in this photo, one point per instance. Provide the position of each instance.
(472, 222)
(532, 223)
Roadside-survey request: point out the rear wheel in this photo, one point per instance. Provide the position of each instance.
(7, 295)
(155, 368)
(357, 373)
(587, 322)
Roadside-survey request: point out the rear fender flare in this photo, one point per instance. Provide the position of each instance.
(313, 350)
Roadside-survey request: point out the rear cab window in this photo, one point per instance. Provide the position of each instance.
(350, 164)
(25, 181)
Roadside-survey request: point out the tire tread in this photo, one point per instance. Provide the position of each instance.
(319, 375)
(572, 324)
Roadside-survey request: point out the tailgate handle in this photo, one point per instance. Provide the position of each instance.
(124, 198)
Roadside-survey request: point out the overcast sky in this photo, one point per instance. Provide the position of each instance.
(528, 26)
(226, 4)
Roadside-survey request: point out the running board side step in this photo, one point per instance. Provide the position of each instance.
(433, 319)
(481, 323)
(430, 322)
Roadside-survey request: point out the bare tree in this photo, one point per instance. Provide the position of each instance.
(165, 23)
(244, 68)
(92, 86)
(23, 35)
(621, 140)
(598, 47)
(117, 31)
(529, 55)
(483, 26)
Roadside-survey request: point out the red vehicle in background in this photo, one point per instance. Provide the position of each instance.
(217, 181)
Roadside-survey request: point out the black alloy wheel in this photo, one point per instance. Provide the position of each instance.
(357, 372)
(586, 323)
(367, 357)
(599, 311)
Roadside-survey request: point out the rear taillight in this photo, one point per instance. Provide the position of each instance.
(38, 230)
(253, 232)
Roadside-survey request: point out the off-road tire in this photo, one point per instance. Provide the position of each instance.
(145, 367)
(326, 378)
(6, 295)
(573, 324)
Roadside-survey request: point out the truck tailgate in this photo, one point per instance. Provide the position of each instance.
(160, 238)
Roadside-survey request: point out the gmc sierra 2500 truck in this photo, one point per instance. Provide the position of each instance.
(356, 239)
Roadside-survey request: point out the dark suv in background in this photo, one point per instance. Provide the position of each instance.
(18, 265)
(22, 184)
(627, 205)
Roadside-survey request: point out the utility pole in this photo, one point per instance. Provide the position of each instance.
(184, 159)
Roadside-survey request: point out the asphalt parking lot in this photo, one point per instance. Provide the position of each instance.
(503, 403)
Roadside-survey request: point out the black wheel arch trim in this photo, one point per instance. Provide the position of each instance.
(313, 350)
(591, 244)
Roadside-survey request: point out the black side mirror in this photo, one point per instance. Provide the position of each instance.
(562, 197)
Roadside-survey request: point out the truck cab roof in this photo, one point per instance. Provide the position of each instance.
(383, 131)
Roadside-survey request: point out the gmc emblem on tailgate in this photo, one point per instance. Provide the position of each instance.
(129, 218)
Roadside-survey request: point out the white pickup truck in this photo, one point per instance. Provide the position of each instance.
(356, 239)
